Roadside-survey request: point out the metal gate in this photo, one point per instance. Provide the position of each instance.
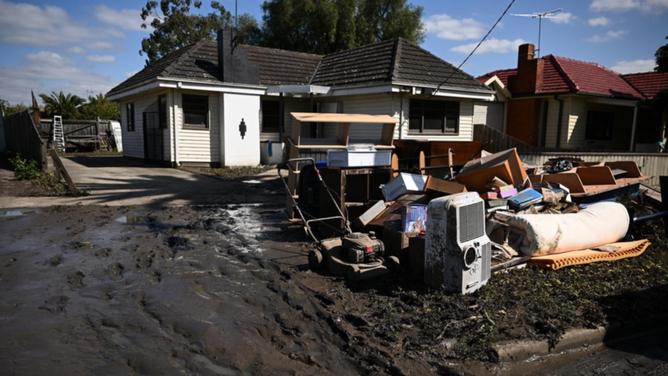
(154, 148)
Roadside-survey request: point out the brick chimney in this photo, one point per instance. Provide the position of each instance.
(529, 71)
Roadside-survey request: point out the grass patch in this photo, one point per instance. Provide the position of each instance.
(237, 172)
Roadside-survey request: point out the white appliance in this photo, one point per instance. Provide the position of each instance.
(361, 155)
(403, 184)
(458, 253)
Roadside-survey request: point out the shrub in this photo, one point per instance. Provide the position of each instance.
(24, 169)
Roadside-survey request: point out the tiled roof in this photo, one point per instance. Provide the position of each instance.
(385, 62)
(593, 78)
(502, 74)
(565, 75)
(391, 61)
(649, 84)
(199, 61)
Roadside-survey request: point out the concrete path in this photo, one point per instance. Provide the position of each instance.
(117, 181)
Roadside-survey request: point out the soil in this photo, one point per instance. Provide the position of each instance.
(225, 290)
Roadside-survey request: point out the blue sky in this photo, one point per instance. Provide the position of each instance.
(86, 47)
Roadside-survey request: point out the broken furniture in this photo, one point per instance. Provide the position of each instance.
(506, 165)
(435, 157)
(316, 134)
(597, 182)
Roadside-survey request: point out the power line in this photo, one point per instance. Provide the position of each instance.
(476, 47)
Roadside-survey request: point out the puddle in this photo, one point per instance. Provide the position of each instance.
(134, 219)
(252, 182)
(16, 212)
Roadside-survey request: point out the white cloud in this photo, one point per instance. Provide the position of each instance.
(446, 27)
(598, 21)
(24, 23)
(626, 5)
(45, 71)
(101, 58)
(607, 36)
(76, 50)
(634, 66)
(499, 46)
(128, 19)
(562, 18)
(100, 45)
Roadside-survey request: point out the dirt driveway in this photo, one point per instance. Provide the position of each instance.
(117, 181)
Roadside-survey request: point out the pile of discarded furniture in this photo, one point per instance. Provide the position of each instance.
(450, 221)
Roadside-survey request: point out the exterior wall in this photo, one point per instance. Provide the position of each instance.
(240, 151)
(575, 111)
(552, 123)
(523, 120)
(399, 107)
(197, 145)
(133, 142)
(490, 114)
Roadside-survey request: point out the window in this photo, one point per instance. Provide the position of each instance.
(433, 116)
(130, 116)
(162, 111)
(196, 111)
(599, 125)
(271, 115)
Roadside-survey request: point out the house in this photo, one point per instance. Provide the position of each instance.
(218, 103)
(560, 103)
(652, 121)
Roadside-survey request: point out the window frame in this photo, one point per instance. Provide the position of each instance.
(264, 114)
(601, 130)
(130, 117)
(186, 125)
(445, 110)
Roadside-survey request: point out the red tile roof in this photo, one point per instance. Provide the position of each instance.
(502, 74)
(564, 75)
(648, 83)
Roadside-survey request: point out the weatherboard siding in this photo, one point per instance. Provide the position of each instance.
(198, 145)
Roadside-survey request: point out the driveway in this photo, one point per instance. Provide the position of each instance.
(117, 181)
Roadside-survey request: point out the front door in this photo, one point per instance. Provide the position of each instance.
(154, 149)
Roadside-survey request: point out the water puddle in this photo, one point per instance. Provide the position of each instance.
(11, 213)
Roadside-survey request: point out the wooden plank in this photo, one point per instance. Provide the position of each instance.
(596, 175)
(342, 118)
(570, 180)
(62, 171)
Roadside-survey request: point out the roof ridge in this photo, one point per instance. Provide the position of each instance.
(280, 49)
(394, 63)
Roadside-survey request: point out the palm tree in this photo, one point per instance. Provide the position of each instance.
(65, 105)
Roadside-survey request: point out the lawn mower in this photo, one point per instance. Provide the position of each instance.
(353, 255)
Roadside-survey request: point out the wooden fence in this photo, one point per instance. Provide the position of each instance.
(492, 140)
(80, 132)
(22, 137)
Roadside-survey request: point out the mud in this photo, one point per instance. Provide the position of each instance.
(225, 290)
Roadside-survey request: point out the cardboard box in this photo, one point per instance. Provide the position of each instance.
(403, 184)
(443, 187)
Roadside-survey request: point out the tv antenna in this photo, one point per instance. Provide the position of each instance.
(540, 15)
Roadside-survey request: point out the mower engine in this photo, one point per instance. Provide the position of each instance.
(362, 248)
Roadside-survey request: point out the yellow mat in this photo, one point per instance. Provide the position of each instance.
(610, 252)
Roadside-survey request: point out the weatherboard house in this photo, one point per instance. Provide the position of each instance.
(218, 103)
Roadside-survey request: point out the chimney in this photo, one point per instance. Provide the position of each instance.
(220, 40)
(525, 53)
(529, 71)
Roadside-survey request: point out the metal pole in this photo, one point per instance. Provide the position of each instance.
(540, 25)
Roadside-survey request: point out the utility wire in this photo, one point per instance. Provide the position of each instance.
(476, 47)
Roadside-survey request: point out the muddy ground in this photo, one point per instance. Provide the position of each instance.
(224, 290)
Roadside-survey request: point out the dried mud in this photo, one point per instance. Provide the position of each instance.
(225, 290)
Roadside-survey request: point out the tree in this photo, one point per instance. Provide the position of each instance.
(8, 109)
(662, 58)
(324, 26)
(65, 105)
(100, 107)
(174, 26)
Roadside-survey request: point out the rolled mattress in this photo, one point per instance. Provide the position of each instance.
(598, 224)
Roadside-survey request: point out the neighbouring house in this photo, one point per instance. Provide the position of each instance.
(560, 103)
(217, 103)
(652, 111)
